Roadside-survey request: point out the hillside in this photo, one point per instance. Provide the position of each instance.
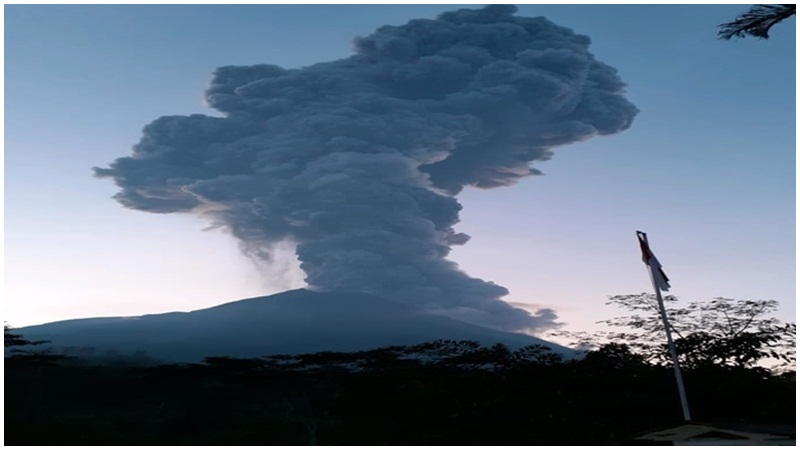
(298, 321)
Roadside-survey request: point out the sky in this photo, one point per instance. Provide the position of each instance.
(707, 169)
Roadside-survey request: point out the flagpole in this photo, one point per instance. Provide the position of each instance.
(673, 353)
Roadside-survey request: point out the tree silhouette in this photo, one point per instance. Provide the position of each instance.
(22, 351)
(456, 393)
(756, 22)
(11, 339)
(722, 331)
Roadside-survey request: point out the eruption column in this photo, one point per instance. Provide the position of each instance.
(358, 161)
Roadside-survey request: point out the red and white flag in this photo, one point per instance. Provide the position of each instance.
(659, 277)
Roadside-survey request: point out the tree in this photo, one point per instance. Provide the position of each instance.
(756, 22)
(720, 332)
(614, 356)
(13, 340)
(21, 353)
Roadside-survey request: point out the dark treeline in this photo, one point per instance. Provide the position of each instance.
(440, 393)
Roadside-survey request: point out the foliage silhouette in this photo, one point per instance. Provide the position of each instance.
(11, 339)
(756, 22)
(719, 332)
(437, 393)
(21, 352)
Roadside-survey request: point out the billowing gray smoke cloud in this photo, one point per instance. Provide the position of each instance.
(358, 161)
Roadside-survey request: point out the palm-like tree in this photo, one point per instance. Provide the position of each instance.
(756, 22)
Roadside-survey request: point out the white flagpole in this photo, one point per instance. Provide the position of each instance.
(675, 365)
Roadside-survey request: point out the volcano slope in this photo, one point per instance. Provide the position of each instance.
(292, 322)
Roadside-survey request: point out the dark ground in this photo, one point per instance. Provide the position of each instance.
(464, 395)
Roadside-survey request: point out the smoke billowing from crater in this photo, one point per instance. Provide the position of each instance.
(358, 161)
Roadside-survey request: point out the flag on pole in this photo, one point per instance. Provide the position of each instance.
(659, 277)
(661, 283)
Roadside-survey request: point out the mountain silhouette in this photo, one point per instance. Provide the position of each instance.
(291, 322)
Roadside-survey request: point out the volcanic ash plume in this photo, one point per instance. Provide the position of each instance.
(358, 161)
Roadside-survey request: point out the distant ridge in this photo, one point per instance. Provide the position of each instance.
(291, 322)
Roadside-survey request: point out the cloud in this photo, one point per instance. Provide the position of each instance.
(358, 161)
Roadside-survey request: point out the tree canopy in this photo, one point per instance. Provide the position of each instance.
(718, 332)
(756, 22)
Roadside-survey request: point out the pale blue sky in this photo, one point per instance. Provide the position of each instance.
(707, 169)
